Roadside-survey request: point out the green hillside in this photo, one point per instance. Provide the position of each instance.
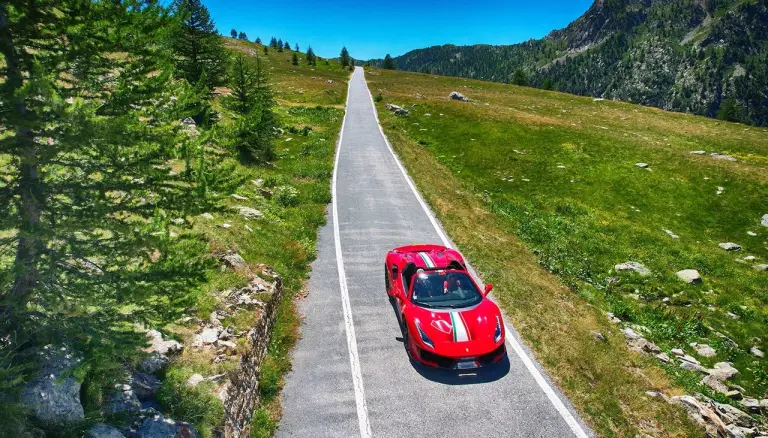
(683, 55)
(542, 191)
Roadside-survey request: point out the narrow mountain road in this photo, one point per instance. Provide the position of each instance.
(351, 375)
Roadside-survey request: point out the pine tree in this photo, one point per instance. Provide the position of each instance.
(273, 43)
(296, 48)
(287, 46)
(519, 78)
(266, 50)
(351, 64)
(547, 84)
(257, 40)
(233, 32)
(311, 58)
(89, 188)
(243, 36)
(389, 63)
(344, 57)
(197, 46)
(279, 45)
(295, 59)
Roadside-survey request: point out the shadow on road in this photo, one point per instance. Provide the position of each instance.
(486, 374)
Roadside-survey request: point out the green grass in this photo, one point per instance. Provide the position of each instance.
(595, 211)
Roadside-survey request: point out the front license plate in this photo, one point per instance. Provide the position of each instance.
(466, 364)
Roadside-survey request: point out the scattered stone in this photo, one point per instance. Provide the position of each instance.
(678, 352)
(699, 152)
(144, 385)
(597, 335)
(207, 216)
(761, 267)
(194, 380)
(723, 371)
(764, 220)
(715, 384)
(225, 225)
(701, 415)
(162, 346)
(764, 406)
(630, 334)
(720, 190)
(159, 427)
(751, 404)
(751, 233)
(177, 221)
(732, 315)
(690, 359)
(455, 95)
(705, 350)
(690, 276)
(398, 110)
(757, 352)
(719, 156)
(663, 357)
(731, 414)
(50, 397)
(238, 197)
(227, 345)
(634, 267)
(642, 165)
(122, 400)
(730, 246)
(235, 261)
(248, 213)
(612, 318)
(102, 430)
(154, 363)
(257, 182)
(690, 366)
(671, 234)
(208, 336)
(642, 345)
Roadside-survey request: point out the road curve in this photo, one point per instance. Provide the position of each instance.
(351, 375)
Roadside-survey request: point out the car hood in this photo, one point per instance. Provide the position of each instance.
(452, 326)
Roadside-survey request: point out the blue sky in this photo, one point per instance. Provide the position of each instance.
(371, 29)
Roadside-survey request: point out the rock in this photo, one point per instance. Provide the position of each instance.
(102, 430)
(663, 357)
(642, 345)
(642, 165)
(154, 363)
(177, 221)
(159, 345)
(735, 394)
(671, 234)
(678, 352)
(715, 384)
(238, 197)
(630, 334)
(657, 394)
(194, 380)
(699, 152)
(764, 406)
(189, 121)
(207, 216)
(227, 345)
(248, 213)
(705, 350)
(54, 400)
(751, 404)
(455, 95)
(258, 182)
(159, 427)
(612, 318)
(720, 190)
(764, 220)
(122, 400)
(723, 371)
(690, 276)
(399, 111)
(235, 261)
(719, 156)
(757, 352)
(732, 414)
(636, 267)
(144, 385)
(690, 359)
(701, 415)
(749, 258)
(225, 225)
(751, 233)
(762, 267)
(597, 335)
(690, 366)
(730, 246)
(209, 336)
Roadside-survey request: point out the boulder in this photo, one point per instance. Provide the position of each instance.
(723, 371)
(636, 267)
(209, 336)
(761, 267)
(705, 350)
(159, 427)
(455, 95)
(757, 352)
(715, 384)
(597, 335)
(630, 334)
(144, 385)
(719, 156)
(102, 430)
(642, 345)
(663, 357)
(398, 110)
(207, 216)
(732, 415)
(678, 352)
(248, 213)
(162, 346)
(690, 366)
(730, 246)
(194, 380)
(122, 400)
(642, 165)
(51, 397)
(764, 220)
(690, 276)
(234, 260)
(701, 415)
(154, 363)
(751, 404)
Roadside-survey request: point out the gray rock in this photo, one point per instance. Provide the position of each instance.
(154, 363)
(724, 371)
(207, 216)
(159, 427)
(642, 165)
(764, 220)
(234, 261)
(194, 380)
(636, 267)
(642, 345)
(455, 95)
(101, 430)
(177, 221)
(690, 359)
(757, 352)
(398, 110)
(678, 352)
(144, 385)
(732, 414)
(701, 414)
(730, 246)
(631, 334)
(764, 406)
(705, 350)
(690, 366)
(122, 400)
(238, 197)
(597, 335)
(50, 397)
(248, 213)
(719, 156)
(189, 121)
(690, 276)
(715, 384)
(762, 267)
(699, 152)
(162, 346)
(751, 404)
(663, 357)
(209, 336)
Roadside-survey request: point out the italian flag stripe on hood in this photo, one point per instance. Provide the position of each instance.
(459, 328)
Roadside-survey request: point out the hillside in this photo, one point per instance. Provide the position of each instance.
(681, 55)
(546, 193)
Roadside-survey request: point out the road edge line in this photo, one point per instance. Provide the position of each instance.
(569, 419)
(354, 360)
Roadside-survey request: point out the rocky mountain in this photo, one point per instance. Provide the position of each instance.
(707, 57)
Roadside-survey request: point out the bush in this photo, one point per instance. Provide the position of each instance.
(378, 98)
(287, 196)
(197, 405)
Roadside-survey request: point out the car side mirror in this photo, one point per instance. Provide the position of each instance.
(488, 288)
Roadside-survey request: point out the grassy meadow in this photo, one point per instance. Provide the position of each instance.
(541, 191)
(311, 111)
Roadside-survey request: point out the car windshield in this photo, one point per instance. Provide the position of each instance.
(444, 290)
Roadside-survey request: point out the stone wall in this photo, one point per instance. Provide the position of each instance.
(243, 392)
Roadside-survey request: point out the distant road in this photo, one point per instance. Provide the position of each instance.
(351, 375)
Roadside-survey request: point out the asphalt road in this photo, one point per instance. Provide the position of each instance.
(351, 375)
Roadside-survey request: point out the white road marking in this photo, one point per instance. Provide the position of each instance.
(354, 360)
(516, 347)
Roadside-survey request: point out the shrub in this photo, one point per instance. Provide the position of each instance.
(287, 196)
(379, 97)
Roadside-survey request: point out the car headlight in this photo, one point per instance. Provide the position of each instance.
(497, 333)
(424, 338)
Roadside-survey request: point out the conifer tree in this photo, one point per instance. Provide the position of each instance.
(311, 58)
(296, 48)
(266, 50)
(257, 40)
(287, 46)
(273, 43)
(233, 33)
(89, 189)
(295, 59)
(243, 36)
(279, 45)
(389, 63)
(519, 78)
(344, 57)
(198, 49)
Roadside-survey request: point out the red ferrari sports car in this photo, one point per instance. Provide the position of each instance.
(447, 321)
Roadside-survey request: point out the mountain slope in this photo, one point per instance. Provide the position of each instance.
(683, 55)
